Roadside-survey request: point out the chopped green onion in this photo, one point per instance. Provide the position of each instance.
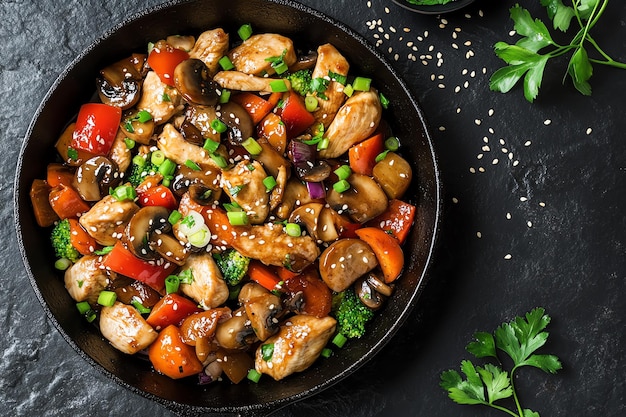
(224, 96)
(130, 144)
(157, 157)
(250, 167)
(244, 31)
(232, 206)
(381, 155)
(62, 264)
(140, 307)
(319, 85)
(237, 218)
(192, 165)
(343, 172)
(267, 351)
(278, 86)
(341, 79)
(107, 298)
(361, 84)
(310, 102)
(254, 375)
(72, 153)
(392, 143)
(293, 229)
(341, 186)
(201, 238)
(150, 47)
(280, 67)
(219, 160)
(124, 192)
(211, 145)
(166, 98)
(185, 276)
(103, 251)
(172, 283)
(226, 63)
(129, 126)
(323, 144)
(84, 308)
(252, 146)
(174, 217)
(384, 101)
(236, 189)
(143, 116)
(167, 168)
(326, 353)
(139, 160)
(348, 90)
(339, 340)
(218, 126)
(269, 182)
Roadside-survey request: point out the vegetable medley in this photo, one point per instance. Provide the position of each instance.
(231, 205)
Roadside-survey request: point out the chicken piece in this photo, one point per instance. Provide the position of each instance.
(210, 47)
(329, 60)
(276, 196)
(272, 246)
(123, 326)
(355, 121)
(245, 186)
(120, 153)
(250, 57)
(106, 218)
(207, 287)
(236, 80)
(176, 148)
(294, 195)
(296, 346)
(85, 279)
(158, 98)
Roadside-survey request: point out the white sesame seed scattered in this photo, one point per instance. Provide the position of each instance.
(495, 161)
(481, 169)
(479, 235)
(589, 130)
(515, 163)
(542, 204)
(442, 128)
(527, 143)
(490, 113)
(523, 199)
(529, 223)
(547, 122)
(479, 156)
(455, 200)
(508, 216)
(508, 256)
(472, 170)
(478, 122)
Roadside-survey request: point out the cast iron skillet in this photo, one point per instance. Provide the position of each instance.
(74, 87)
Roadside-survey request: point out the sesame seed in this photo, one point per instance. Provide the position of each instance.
(508, 256)
(547, 122)
(479, 235)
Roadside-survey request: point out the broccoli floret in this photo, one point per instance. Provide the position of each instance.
(351, 314)
(137, 173)
(301, 81)
(61, 241)
(233, 266)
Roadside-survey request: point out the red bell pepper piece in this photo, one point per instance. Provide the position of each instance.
(96, 128)
(256, 106)
(159, 195)
(172, 357)
(171, 309)
(66, 202)
(295, 115)
(362, 156)
(397, 219)
(163, 59)
(122, 261)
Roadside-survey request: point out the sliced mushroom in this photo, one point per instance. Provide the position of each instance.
(378, 283)
(304, 61)
(184, 43)
(316, 171)
(39, 193)
(239, 122)
(63, 145)
(295, 194)
(344, 261)
(262, 308)
(169, 248)
(393, 174)
(128, 290)
(94, 178)
(198, 329)
(308, 215)
(137, 235)
(119, 84)
(236, 332)
(191, 133)
(367, 294)
(201, 117)
(193, 81)
(363, 201)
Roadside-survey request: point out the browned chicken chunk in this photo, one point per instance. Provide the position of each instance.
(107, 218)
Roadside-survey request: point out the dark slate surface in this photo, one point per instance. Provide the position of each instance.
(534, 203)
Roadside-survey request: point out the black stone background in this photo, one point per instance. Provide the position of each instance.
(568, 183)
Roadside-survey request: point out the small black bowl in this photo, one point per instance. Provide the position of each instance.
(434, 9)
(74, 87)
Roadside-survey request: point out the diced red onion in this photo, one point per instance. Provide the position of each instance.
(316, 190)
(301, 152)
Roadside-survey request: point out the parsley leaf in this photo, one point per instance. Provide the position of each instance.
(484, 385)
(525, 60)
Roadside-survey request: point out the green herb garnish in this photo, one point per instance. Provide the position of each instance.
(487, 384)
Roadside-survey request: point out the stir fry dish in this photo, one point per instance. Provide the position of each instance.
(228, 206)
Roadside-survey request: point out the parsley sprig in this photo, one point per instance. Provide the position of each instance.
(518, 339)
(524, 60)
